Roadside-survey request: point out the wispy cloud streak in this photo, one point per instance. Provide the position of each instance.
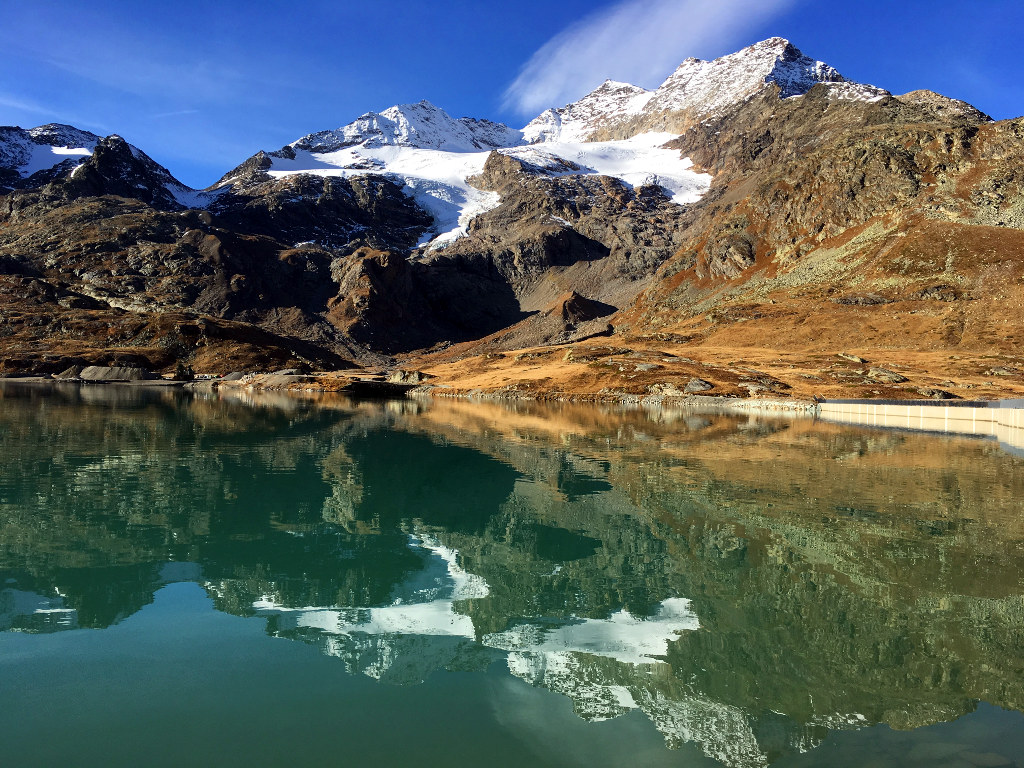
(24, 105)
(174, 113)
(636, 41)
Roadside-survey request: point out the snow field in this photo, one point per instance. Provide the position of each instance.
(437, 180)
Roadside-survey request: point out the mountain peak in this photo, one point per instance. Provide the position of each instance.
(611, 100)
(730, 79)
(697, 89)
(776, 43)
(421, 125)
(62, 135)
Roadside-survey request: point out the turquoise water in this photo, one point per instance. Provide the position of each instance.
(263, 580)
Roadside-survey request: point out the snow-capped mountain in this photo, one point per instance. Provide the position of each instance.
(618, 130)
(47, 150)
(90, 164)
(422, 126)
(698, 88)
(609, 102)
(435, 157)
(711, 86)
(823, 189)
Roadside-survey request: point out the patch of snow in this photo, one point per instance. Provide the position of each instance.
(44, 156)
(193, 198)
(723, 732)
(465, 585)
(432, 619)
(594, 699)
(709, 86)
(425, 606)
(637, 161)
(43, 147)
(621, 636)
(850, 91)
(435, 179)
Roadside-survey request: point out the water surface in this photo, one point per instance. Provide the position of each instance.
(262, 580)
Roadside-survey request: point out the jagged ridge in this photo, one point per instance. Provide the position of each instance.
(698, 89)
(421, 125)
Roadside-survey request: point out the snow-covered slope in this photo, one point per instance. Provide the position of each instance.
(433, 156)
(639, 161)
(610, 101)
(427, 606)
(422, 126)
(710, 86)
(699, 88)
(27, 152)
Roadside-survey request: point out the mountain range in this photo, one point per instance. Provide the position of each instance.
(758, 224)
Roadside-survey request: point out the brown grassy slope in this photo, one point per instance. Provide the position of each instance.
(883, 230)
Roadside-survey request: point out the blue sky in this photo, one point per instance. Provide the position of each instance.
(201, 86)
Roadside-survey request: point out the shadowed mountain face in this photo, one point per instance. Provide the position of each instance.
(753, 587)
(758, 200)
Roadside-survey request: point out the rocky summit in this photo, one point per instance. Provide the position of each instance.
(758, 223)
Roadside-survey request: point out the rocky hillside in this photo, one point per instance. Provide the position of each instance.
(755, 207)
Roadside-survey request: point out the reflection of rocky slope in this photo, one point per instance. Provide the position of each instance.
(811, 576)
(565, 541)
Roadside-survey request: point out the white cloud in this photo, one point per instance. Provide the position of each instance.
(635, 41)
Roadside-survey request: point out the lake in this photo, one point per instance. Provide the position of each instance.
(244, 579)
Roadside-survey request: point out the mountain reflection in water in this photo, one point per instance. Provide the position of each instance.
(750, 584)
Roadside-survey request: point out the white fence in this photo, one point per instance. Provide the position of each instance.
(1001, 419)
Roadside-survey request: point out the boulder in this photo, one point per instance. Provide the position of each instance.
(886, 376)
(399, 376)
(697, 385)
(114, 373)
(936, 394)
(74, 372)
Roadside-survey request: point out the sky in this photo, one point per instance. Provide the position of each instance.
(200, 86)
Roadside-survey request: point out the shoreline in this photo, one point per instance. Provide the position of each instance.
(1001, 420)
(377, 387)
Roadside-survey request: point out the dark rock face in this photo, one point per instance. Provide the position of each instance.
(391, 304)
(125, 261)
(115, 169)
(563, 221)
(336, 213)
